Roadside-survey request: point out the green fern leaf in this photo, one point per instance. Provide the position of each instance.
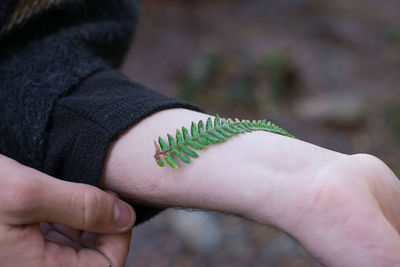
(189, 139)
(197, 136)
(182, 146)
(209, 137)
(203, 135)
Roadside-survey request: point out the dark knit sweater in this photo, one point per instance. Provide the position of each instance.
(61, 101)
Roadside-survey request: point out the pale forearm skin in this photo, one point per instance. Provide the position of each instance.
(234, 176)
(268, 178)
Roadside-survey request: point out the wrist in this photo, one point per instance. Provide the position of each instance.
(344, 212)
(289, 171)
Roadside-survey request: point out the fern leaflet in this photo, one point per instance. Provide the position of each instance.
(203, 135)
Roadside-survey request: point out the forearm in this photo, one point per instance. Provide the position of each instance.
(250, 175)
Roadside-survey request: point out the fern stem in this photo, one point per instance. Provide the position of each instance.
(204, 135)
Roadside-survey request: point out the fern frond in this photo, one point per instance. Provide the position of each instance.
(202, 135)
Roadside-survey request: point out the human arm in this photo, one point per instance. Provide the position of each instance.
(265, 177)
(29, 197)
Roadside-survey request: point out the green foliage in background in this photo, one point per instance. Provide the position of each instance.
(281, 74)
(223, 80)
(201, 72)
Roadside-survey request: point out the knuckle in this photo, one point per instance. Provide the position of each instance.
(364, 156)
(367, 161)
(20, 194)
(94, 208)
(10, 168)
(18, 187)
(5, 161)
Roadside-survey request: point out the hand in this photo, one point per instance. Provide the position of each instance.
(352, 217)
(29, 198)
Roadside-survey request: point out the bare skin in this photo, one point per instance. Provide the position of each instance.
(342, 208)
(352, 216)
(30, 198)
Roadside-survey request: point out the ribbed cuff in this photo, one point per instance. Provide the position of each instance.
(95, 113)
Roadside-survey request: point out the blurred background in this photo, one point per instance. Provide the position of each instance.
(326, 71)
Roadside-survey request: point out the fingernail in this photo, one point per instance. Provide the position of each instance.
(123, 215)
(111, 193)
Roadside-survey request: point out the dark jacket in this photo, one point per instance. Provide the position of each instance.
(61, 100)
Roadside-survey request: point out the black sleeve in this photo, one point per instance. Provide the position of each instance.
(85, 122)
(61, 102)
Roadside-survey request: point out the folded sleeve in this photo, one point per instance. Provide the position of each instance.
(90, 117)
(62, 102)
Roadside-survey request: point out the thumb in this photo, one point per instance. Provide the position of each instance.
(40, 197)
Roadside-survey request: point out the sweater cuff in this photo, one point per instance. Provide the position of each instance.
(90, 117)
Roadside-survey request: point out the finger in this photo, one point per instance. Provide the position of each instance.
(38, 197)
(69, 232)
(111, 193)
(111, 250)
(115, 247)
(64, 256)
(88, 239)
(45, 227)
(61, 239)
